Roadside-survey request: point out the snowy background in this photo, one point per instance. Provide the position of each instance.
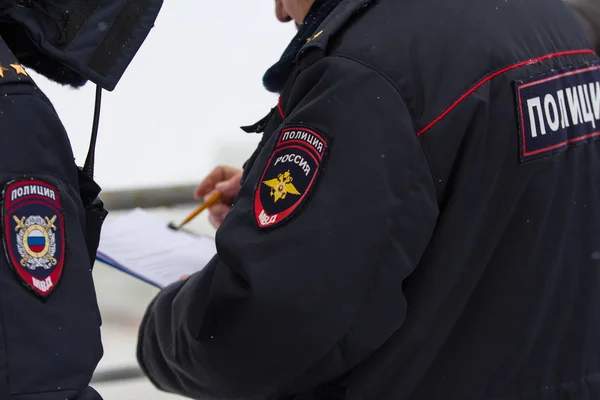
(174, 116)
(179, 106)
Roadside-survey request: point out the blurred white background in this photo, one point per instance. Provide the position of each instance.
(175, 115)
(179, 106)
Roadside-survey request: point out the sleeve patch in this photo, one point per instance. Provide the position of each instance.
(34, 238)
(558, 110)
(289, 175)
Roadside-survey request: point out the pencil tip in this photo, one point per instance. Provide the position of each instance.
(173, 226)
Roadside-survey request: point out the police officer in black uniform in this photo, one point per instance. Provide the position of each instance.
(51, 216)
(421, 220)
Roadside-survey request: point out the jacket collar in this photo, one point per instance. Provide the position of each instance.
(323, 20)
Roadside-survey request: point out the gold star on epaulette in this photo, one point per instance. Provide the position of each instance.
(19, 69)
(315, 36)
(2, 70)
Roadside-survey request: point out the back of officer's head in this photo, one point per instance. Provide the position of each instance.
(73, 41)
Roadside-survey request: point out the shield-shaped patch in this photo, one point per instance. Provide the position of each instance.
(289, 175)
(34, 237)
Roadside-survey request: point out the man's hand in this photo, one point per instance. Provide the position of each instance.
(225, 180)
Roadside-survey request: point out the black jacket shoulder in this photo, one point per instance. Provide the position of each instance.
(435, 51)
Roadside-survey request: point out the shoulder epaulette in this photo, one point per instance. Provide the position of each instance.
(333, 23)
(11, 70)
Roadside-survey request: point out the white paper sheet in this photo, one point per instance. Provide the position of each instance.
(145, 247)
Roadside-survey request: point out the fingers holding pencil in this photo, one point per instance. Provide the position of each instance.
(217, 214)
(224, 180)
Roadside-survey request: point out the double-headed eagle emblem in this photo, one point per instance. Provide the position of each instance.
(282, 186)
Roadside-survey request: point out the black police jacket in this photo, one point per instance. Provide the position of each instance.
(420, 222)
(49, 319)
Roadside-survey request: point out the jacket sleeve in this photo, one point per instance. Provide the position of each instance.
(280, 311)
(50, 328)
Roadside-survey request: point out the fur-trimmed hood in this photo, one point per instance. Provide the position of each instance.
(73, 41)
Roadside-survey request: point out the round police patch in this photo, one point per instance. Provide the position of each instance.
(34, 237)
(289, 175)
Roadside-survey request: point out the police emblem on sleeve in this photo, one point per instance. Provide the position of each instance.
(34, 234)
(289, 175)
